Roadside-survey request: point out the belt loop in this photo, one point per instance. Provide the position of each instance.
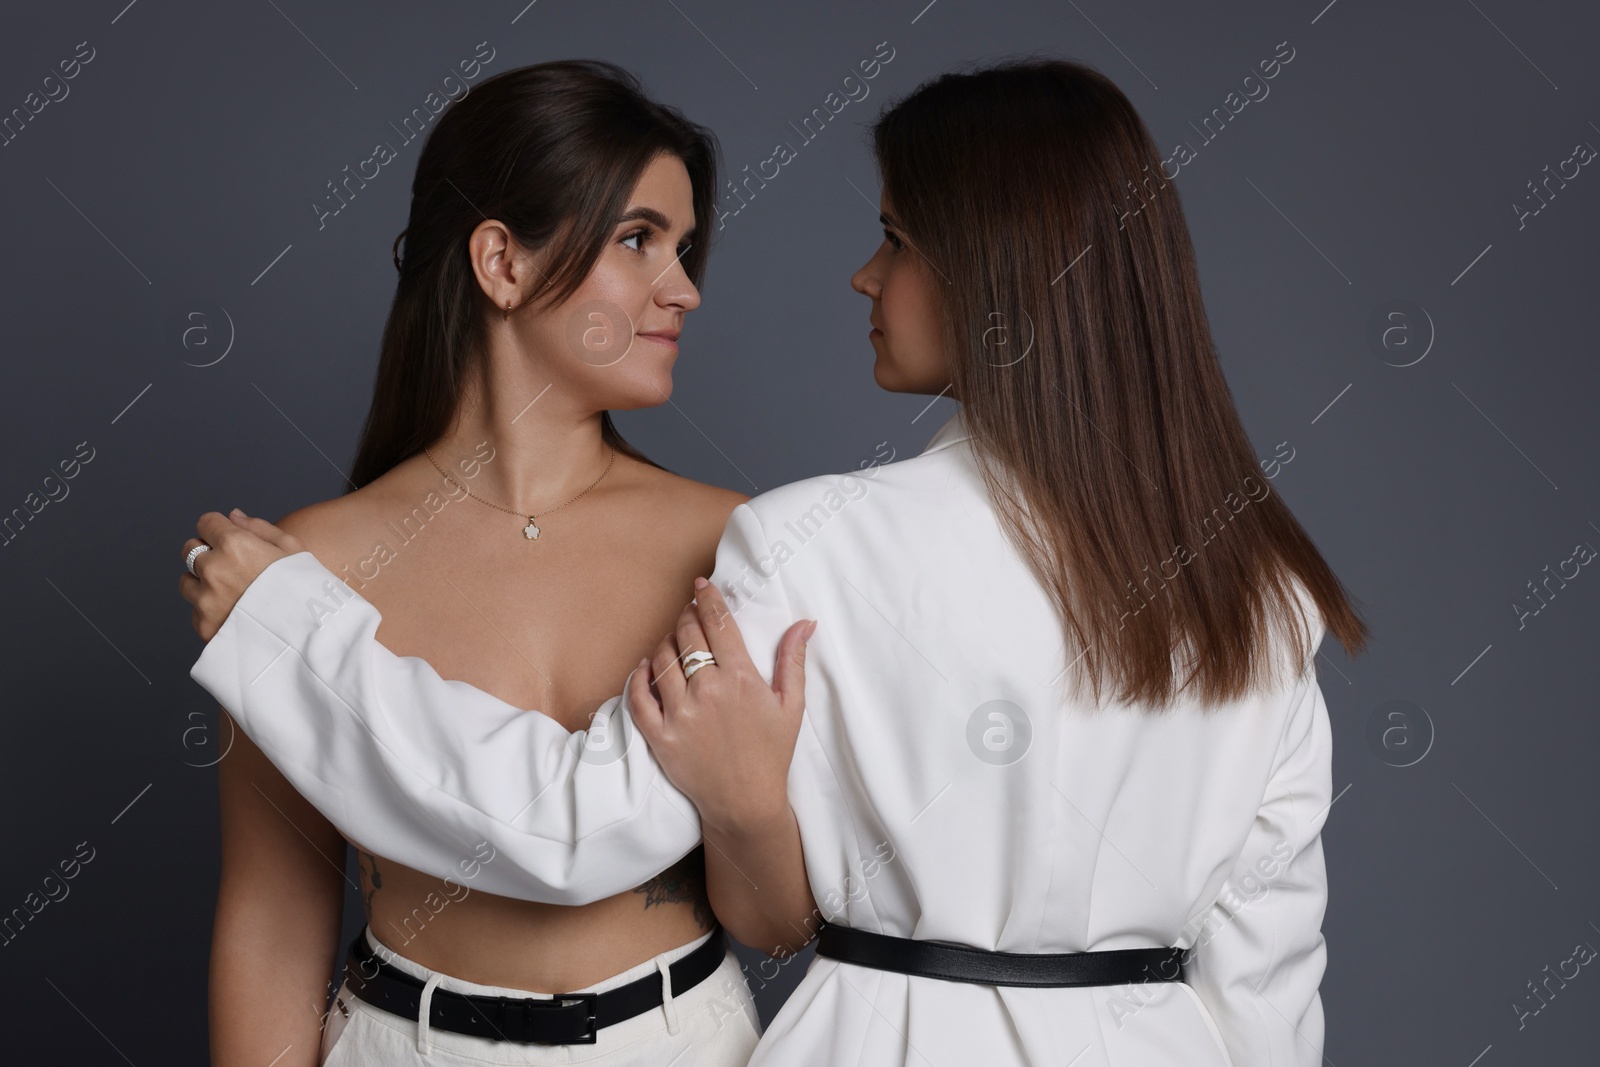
(666, 995)
(425, 1014)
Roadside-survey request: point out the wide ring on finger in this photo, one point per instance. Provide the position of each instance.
(194, 554)
(693, 661)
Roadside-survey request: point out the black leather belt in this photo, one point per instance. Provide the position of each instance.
(565, 1019)
(962, 963)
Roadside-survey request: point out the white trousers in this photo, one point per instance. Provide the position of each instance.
(714, 1024)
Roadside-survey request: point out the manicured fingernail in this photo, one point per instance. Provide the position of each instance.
(700, 583)
(811, 629)
(236, 513)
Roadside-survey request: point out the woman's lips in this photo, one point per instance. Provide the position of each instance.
(664, 340)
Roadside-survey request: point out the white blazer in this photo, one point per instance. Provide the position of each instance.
(946, 785)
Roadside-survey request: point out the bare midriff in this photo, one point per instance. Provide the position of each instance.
(448, 926)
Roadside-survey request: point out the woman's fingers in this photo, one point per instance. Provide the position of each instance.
(718, 626)
(214, 528)
(256, 538)
(642, 704)
(266, 531)
(691, 638)
(789, 674)
(668, 674)
(240, 552)
(189, 546)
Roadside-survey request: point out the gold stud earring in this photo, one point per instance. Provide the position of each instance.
(507, 316)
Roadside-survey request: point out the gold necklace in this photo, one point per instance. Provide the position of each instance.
(530, 531)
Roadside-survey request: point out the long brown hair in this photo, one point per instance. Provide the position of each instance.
(1035, 192)
(553, 151)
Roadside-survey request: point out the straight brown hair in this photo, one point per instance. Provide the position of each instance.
(1114, 438)
(552, 151)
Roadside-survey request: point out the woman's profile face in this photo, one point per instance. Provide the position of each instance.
(906, 333)
(614, 340)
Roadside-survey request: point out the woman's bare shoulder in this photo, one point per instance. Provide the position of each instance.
(695, 504)
(682, 521)
(335, 528)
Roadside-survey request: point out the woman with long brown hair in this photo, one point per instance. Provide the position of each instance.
(557, 222)
(1051, 786)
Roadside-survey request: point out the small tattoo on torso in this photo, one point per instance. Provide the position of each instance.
(371, 879)
(682, 883)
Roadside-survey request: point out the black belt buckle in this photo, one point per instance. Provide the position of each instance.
(565, 1019)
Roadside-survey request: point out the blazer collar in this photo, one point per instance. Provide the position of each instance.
(953, 430)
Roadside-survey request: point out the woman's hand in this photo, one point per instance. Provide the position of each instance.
(724, 737)
(241, 548)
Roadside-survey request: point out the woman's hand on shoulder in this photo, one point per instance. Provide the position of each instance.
(241, 548)
(724, 737)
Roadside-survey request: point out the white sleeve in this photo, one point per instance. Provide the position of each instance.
(423, 770)
(751, 581)
(1259, 958)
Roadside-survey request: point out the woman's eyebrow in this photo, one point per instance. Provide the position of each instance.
(652, 216)
(648, 214)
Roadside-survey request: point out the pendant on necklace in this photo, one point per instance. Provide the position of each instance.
(531, 531)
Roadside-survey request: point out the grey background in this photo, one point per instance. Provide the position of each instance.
(1384, 165)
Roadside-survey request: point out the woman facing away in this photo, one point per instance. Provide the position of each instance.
(1057, 769)
(553, 208)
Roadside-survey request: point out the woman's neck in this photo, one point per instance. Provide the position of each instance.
(547, 447)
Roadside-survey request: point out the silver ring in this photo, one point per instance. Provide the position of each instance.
(194, 554)
(693, 661)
